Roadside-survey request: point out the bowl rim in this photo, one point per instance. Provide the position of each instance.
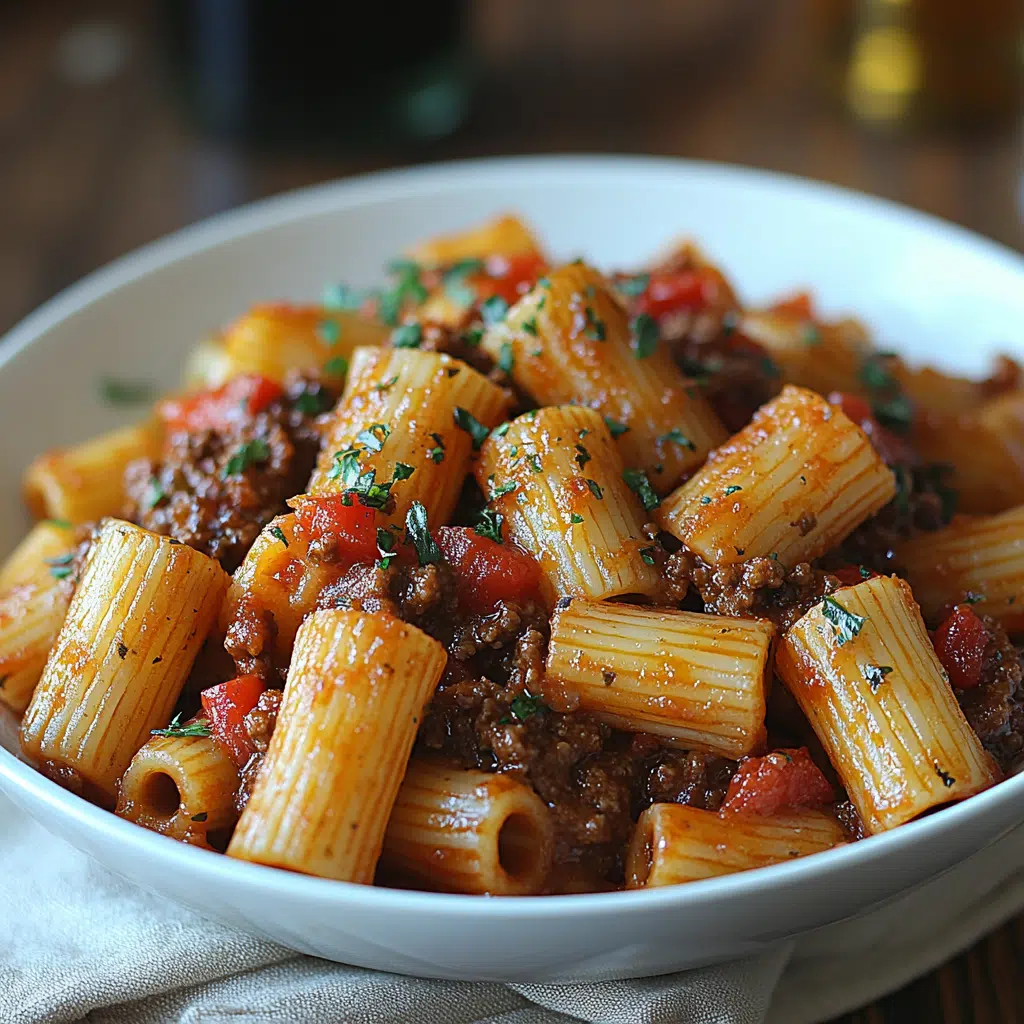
(434, 179)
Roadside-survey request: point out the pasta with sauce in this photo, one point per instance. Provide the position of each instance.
(518, 577)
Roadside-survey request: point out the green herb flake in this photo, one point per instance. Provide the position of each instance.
(61, 524)
(647, 554)
(845, 624)
(644, 332)
(582, 456)
(155, 494)
(456, 285)
(60, 567)
(493, 310)
(524, 705)
(386, 385)
(373, 437)
(501, 429)
(252, 453)
(500, 490)
(276, 531)
(637, 482)
(402, 471)
(473, 336)
(595, 328)
(595, 490)
(875, 675)
(417, 533)
(126, 392)
(336, 366)
(635, 285)
(732, 489)
(676, 436)
(200, 727)
(530, 325)
(466, 421)
(311, 402)
(575, 518)
(534, 462)
(506, 358)
(385, 547)
(973, 597)
(407, 336)
(705, 500)
(489, 525)
(615, 428)
(328, 331)
(342, 297)
(436, 454)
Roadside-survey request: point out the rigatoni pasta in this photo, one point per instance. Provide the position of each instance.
(468, 831)
(558, 480)
(862, 668)
(356, 690)
(570, 340)
(791, 485)
(695, 681)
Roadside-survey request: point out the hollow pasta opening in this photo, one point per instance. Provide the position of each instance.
(519, 840)
(160, 795)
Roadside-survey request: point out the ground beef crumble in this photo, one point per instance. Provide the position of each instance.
(259, 724)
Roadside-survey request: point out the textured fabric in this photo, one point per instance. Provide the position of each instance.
(78, 943)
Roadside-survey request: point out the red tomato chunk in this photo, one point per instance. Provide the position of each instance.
(511, 277)
(678, 292)
(960, 644)
(240, 398)
(487, 572)
(226, 706)
(781, 780)
(350, 531)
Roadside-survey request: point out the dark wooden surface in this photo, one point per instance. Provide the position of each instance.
(96, 158)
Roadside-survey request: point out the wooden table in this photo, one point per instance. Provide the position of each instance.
(95, 159)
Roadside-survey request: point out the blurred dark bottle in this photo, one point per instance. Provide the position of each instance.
(305, 72)
(956, 62)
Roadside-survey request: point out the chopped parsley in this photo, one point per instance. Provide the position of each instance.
(407, 336)
(312, 402)
(200, 727)
(417, 533)
(575, 518)
(328, 332)
(373, 437)
(972, 597)
(635, 285)
(500, 490)
(676, 436)
(472, 336)
(705, 500)
(595, 325)
(386, 385)
(644, 331)
(890, 406)
(732, 489)
(582, 455)
(341, 296)
(276, 531)
(647, 554)
(336, 366)
(875, 675)
(60, 567)
(493, 309)
(385, 547)
(155, 493)
(489, 525)
(407, 288)
(125, 392)
(61, 524)
(501, 429)
(845, 624)
(402, 471)
(534, 463)
(530, 325)
(524, 705)
(506, 357)
(436, 454)
(252, 453)
(595, 490)
(364, 485)
(636, 480)
(616, 428)
(466, 421)
(456, 286)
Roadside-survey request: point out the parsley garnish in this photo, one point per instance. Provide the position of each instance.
(385, 385)
(489, 525)
(466, 421)
(595, 490)
(973, 598)
(312, 403)
(676, 436)
(155, 493)
(436, 454)
(506, 357)
(341, 296)
(417, 533)
(277, 532)
(373, 437)
(644, 330)
(705, 500)
(455, 284)
(888, 403)
(635, 285)
(845, 624)
(636, 480)
(875, 675)
(385, 547)
(251, 453)
(500, 490)
(501, 429)
(200, 727)
(647, 554)
(493, 309)
(402, 471)
(575, 518)
(336, 367)
(530, 325)
(595, 325)
(582, 455)
(60, 567)
(534, 461)
(61, 524)
(732, 489)
(407, 286)
(125, 392)
(524, 705)
(364, 485)
(616, 428)
(328, 332)
(407, 336)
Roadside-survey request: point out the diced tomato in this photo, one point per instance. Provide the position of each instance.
(487, 572)
(241, 397)
(851, 575)
(351, 529)
(780, 780)
(677, 292)
(511, 277)
(799, 305)
(960, 644)
(893, 450)
(226, 706)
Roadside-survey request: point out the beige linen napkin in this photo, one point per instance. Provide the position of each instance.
(77, 943)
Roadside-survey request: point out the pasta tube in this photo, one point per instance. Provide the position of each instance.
(696, 681)
(975, 559)
(557, 478)
(569, 340)
(86, 481)
(180, 786)
(48, 540)
(792, 484)
(413, 418)
(503, 236)
(272, 339)
(674, 843)
(355, 694)
(862, 668)
(139, 615)
(468, 831)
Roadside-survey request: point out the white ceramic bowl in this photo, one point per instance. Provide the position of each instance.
(926, 287)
